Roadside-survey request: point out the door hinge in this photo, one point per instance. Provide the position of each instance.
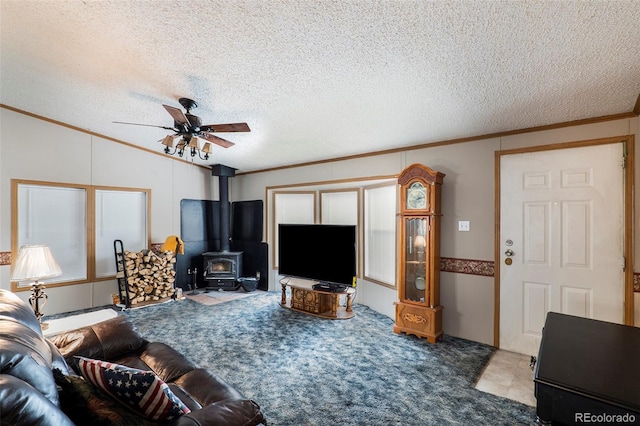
(624, 263)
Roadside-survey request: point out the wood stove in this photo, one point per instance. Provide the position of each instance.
(222, 269)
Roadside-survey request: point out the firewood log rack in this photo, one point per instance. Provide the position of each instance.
(121, 274)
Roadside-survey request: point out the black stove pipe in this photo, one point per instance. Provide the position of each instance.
(224, 173)
(224, 213)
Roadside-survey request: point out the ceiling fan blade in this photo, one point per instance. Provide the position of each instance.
(231, 127)
(218, 141)
(146, 125)
(177, 114)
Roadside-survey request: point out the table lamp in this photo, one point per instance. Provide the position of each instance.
(35, 262)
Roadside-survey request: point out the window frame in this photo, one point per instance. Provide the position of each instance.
(15, 234)
(366, 249)
(89, 227)
(276, 221)
(358, 194)
(95, 190)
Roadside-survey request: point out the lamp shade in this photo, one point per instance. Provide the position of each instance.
(35, 262)
(419, 242)
(194, 142)
(168, 141)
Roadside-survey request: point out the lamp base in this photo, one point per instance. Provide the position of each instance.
(37, 301)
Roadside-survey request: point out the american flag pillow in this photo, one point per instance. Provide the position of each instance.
(140, 390)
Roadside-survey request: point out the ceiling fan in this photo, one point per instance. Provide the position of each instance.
(189, 131)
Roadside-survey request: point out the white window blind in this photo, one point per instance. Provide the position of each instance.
(55, 216)
(380, 234)
(294, 208)
(339, 208)
(120, 215)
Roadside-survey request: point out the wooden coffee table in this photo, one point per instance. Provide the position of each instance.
(320, 303)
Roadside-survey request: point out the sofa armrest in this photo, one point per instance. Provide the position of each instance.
(13, 308)
(26, 356)
(57, 360)
(207, 387)
(165, 361)
(105, 340)
(22, 404)
(228, 412)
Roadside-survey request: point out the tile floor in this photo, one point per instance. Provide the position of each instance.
(214, 297)
(61, 325)
(508, 375)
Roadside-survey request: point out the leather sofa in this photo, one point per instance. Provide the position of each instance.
(39, 384)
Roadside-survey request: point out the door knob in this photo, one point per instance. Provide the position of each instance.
(509, 252)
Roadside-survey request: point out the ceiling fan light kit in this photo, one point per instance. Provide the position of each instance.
(168, 141)
(194, 143)
(192, 133)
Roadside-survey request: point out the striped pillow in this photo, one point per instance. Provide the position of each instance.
(139, 390)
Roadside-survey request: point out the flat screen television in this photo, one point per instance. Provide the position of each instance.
(322, 253)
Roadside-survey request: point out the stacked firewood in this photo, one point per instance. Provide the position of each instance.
(150, 275)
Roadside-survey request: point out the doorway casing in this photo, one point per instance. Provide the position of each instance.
(629, 185)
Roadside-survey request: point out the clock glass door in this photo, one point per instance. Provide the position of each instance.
(415, 255)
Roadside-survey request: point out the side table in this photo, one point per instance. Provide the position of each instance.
(320, 303)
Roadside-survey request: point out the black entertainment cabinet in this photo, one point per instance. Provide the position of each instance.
(588, 372)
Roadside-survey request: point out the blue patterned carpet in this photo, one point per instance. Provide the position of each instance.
(304, 370)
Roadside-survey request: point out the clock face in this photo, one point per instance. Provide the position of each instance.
(416, 196)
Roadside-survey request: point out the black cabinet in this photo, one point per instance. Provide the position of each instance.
(587, 368)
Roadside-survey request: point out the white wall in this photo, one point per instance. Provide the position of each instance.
(36, 149)
(467, 194)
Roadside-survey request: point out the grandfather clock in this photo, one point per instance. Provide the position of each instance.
(418, 309)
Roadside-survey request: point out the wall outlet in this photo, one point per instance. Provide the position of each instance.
(463, 225)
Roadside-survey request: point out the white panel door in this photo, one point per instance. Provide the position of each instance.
(562, 229)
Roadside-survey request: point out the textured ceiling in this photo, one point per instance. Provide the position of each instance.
(319, 79)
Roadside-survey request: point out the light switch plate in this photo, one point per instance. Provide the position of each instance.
(463, 225)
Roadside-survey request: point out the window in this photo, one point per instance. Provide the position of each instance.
(292, 207)
(380, 234)
(341, 202)
(120, 215)
(54, 215)
(342, 207)
(339, 207)
(79, 224)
